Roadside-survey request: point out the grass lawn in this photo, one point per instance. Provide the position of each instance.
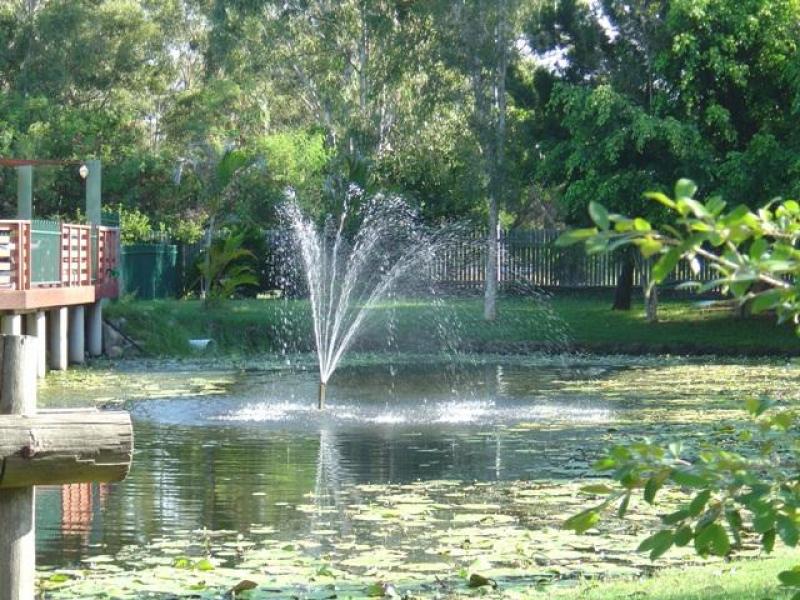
(738, 580)
(584, 320)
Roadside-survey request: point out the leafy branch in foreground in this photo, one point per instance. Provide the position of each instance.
(754, 253)
(749, 486)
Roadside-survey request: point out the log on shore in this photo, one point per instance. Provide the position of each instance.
(70, 446)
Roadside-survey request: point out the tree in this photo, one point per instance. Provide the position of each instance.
(217, 171)
(646, 91)
(478, 38)
(753, 485)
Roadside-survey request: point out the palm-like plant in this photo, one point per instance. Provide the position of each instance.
(224, 268)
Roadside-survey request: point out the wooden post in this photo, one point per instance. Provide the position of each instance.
(36, 325)
(11, 324)
(51, 447)
(25, 192)
(17, 534)
(94, 328)
(94, 191)
(58, 339)
(75, 335)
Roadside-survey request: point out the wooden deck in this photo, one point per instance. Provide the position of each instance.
(49, 264)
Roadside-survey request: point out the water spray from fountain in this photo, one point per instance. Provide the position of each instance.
(349, 274)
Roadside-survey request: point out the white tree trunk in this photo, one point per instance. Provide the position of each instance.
(490, 285)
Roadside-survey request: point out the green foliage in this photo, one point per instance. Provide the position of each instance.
(225, 268)
(749, 486)
(705, 89)
(753, 251)
(745, 488)
(134, 226)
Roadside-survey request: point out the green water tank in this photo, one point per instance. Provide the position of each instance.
(150, 270)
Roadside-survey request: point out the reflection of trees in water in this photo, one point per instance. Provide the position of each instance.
(235, 478)
(229, 479)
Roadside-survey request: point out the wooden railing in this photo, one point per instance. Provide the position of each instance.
(86, 256)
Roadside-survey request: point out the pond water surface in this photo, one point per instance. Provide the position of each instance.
(247, 452)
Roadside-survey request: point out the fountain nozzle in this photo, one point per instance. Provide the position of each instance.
(322, 387)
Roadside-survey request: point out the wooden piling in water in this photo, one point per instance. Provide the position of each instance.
(17, 506)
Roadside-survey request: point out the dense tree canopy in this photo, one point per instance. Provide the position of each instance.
(520, 108)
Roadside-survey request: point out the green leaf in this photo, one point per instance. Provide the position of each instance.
(764, 522)
(696, 207)
(688, 479)
(657, 544)
(583, 521)
(712, 539)
(685, 188)
(698, 503)
(575, 236)
(758, 248)
(623, 225)
(660, 197)
(766, 301)
(653, 485)
(683, 535)
(376, 590)
(782, 420)
(623, 505)
(665, 265)
(204, 565)
(768, 540)
(676, 517)
(791, 578)
(787, 530)
(649, 246)
(605, 464)
(640, 224)
(715, 205)
(792, 206)
(758, 406)
(599, 215)
(734, 518)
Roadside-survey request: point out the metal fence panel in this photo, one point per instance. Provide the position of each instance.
(45, 251)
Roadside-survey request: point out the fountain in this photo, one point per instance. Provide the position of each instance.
(348, 275)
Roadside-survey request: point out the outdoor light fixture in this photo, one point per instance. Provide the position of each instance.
(84, 171)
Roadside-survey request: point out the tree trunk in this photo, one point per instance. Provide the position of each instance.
(497, 163)
(205, 280)
(651, 304)
(649, 292)
(490, 285)
(624, 292)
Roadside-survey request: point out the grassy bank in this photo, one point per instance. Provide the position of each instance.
(574, 321)
(738, 580)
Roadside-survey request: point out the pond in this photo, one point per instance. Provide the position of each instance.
(408, 462)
